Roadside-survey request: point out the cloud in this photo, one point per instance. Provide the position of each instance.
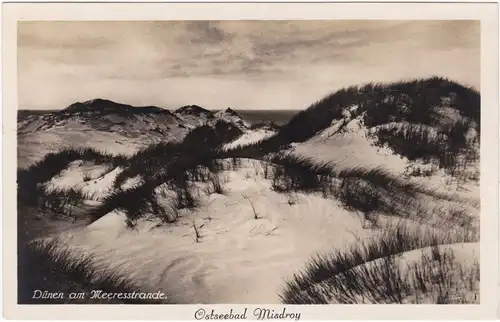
(205, 32)
(253, 64)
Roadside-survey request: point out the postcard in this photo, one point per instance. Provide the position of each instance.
(260, 161)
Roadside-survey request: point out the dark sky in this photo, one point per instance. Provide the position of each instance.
(241, 64)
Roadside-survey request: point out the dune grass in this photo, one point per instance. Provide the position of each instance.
(48, 265)
(369, 191)
(412, 101)
(366, 190)
(178, 165)
(419, 142)
(199, 148)
(343, 276)
(215, 185)
(28, 180)
(294, 173)
(136, 202)
(60, 202)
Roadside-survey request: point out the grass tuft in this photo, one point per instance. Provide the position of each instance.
(48, 265)
(330, 277)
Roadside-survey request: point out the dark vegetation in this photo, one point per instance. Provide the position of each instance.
(169, 189)
(176, 166)
(101, 106)
(367, 191)
(210, 138)
(29, 191)
(215, 185)
(194, 110)
(46, 266)
(415, 102)
(199, 148)
(140, 200)
(265, 125)
(255, 214)
(198, 157)
(448, 145)
(293, 173)
(345, 277)
(60, 202)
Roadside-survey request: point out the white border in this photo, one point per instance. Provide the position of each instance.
(487, 13)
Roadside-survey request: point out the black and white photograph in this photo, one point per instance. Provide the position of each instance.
(286, 162)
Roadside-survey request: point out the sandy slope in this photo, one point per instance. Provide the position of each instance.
(347, 143)
(33, 146)
(251, 136)
(228, 264)
(39, 135)
(238, 259)
(94, 181)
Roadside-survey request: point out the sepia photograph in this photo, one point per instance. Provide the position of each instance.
(285, 162)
